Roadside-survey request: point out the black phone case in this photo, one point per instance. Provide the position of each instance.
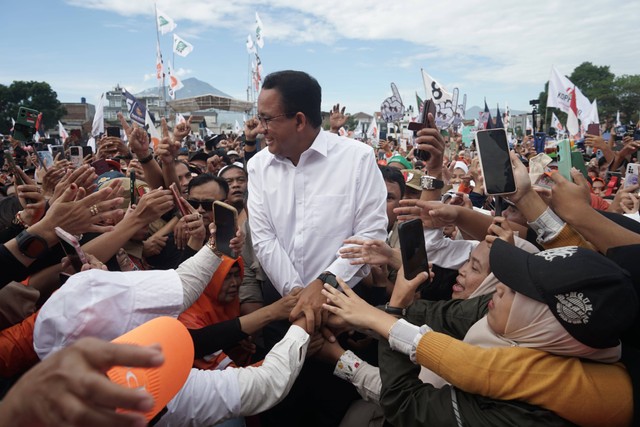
(412, 248)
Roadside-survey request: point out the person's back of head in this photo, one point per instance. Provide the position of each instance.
(300, 93)
(393, 175)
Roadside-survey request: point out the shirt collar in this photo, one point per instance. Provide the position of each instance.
(319, 145)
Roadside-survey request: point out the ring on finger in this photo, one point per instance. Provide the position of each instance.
(94, 210)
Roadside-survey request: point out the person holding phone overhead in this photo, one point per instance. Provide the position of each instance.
(308, 192)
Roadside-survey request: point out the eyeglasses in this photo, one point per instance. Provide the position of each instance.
(264, 121)
(207, 205)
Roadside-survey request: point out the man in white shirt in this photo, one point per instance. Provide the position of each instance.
(309, 192)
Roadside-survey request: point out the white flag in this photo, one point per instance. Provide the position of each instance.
(175, 83)
(181, 46)
(61, 131)
(259, 32)
(151, 128)
(559, 96)
(507, 116)
(165, 24)
(618, 122)
(208, 131)
(572, 116)
(98, 119)
(159, 68)
(251, 47)
(528, 125)
(555, 123)
(237, 129)
(447, 106)
(373, 132)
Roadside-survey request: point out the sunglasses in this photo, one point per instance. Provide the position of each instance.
(207, 205)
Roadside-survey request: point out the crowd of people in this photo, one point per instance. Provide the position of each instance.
(305, 316)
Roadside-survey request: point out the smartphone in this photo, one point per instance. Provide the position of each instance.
(226, 219)
(564, 159)
(132, 186)
(10, 161)
(87, 150)
(429, 107)
(631, 178)
(493, 153)
(25, 125)
(75, 155)
(45, 159)
(55, 150)
(412, 248)
(176, 200)
(72, 249)
(577, 161)
(113, 131)
(593, 129)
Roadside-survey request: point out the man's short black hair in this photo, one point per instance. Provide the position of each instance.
(393, 175)
(300, 93)
(206, 178)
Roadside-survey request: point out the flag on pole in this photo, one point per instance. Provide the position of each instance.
(175, 83)
(499, 123)
(62, 132)
(137, 111)
(373, 132)
(151, 128)
(159, 64)
(259, 32)
(419, 102)
(555, 123)
(237, 129)
(98, 120)
(618, 122)
(251, 47)
(165, 24)
(208, 131)
(559, 96)
(572, 119)
(506, 116)
(528, 125)
(485, 121)
(447, 107)
(39, 127)
(181, 46)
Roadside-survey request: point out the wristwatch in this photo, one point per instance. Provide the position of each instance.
(31, 245)
(431, 183)
(330, 278)
(395, 311)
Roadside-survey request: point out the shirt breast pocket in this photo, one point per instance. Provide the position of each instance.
(331, 215)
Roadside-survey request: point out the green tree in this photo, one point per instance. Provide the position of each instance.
(628, 90)
(35, 95)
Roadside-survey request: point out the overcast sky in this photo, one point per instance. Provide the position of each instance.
(501, 50)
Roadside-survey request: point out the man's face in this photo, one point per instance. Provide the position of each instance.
(393, 201)
(209, 192)
(279, 133)
(237, 181)
(184, 176)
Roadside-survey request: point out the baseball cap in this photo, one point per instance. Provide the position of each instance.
(162, 382)
(590, 296)
(412, 178)
(238, 165)
(233, 153)
(406, 164)
(199, 155)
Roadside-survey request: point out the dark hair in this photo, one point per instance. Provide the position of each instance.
(205, 178)
(393, 175)
(300, 93)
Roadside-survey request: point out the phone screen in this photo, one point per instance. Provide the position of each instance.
(412, 248)
(132, 187)
(493, 151)
(593, 129)
(226, 223)
(176, 200)
(113, 131)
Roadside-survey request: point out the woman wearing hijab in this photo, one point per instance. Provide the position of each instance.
(566, 301)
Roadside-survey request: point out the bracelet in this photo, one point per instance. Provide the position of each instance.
(249, 142)
(145, 160)
(19, 221)
(395, 311)
(211, 244)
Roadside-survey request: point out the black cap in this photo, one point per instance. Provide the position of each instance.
(199, 155)
(590, 295)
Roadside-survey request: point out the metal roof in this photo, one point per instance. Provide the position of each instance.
(204, 102)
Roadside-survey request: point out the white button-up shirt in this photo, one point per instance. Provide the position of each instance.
(300, 215)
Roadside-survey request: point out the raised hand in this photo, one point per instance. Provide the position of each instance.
(337, 118)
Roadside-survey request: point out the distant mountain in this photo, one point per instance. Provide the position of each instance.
(192, 87)
(472, 113)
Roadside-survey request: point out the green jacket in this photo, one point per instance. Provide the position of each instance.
(407, 401)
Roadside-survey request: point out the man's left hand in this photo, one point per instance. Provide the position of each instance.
(310, 304)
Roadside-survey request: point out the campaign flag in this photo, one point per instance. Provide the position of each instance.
(181, 46)
(447, 107)
(499, 123)
(159, 64)
(618, 122)
(485, 121)
(208, 131)
(137, 111)
(560, 89)
(373, 132)
(98, 120)
(62, 132)
(420, 102)
(39, 126)
(392, 108)
(237, 129)
(175, 83)
(165, 24)
(251, 47)
(506, 117)
(555, 123)
(572, 117)
(151, 128)
(259, 32)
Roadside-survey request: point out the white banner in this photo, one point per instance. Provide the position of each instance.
(165, 24)
(448, 110)
(559, 95)
(181, 46)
